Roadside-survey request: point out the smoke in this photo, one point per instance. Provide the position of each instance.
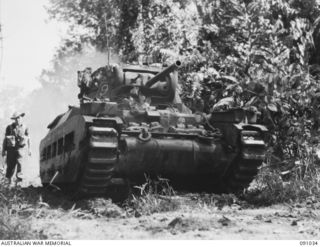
(58, 91)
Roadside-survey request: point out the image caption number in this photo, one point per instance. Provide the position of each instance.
(309, 243)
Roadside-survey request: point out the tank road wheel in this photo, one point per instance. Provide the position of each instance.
(99, 165)
(245, 166)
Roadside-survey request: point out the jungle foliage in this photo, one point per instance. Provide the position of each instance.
(266, 52)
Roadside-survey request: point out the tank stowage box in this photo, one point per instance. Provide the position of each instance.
(131, 122)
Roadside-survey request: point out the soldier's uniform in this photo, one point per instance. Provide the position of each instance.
(14, 144)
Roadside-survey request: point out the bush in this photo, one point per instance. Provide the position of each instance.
(15, 215)
(295, 185)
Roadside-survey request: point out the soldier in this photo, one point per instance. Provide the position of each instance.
(15, 145)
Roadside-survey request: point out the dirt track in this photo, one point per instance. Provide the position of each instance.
(194, 220)
(193, 216)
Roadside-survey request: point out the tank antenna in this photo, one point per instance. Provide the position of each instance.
(1, 41)
(108, 42)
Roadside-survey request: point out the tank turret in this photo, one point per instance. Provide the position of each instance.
(112, 82)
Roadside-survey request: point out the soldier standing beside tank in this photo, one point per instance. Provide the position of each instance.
(16, 145)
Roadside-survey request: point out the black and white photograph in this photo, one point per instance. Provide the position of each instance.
(159, 120)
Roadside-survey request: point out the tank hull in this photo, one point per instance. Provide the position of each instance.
(161, 155)
(97, 154)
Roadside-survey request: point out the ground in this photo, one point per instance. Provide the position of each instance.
(230, 222)
(194, 217)
(50, 214)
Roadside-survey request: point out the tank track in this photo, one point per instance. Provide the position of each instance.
(99, 164)
(246, 165)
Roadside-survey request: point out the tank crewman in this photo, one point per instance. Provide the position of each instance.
(16, 144)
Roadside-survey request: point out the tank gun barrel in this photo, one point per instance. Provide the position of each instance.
(163, 73)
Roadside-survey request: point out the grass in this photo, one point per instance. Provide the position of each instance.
(154, 196)
(16, 213)
(21, 207)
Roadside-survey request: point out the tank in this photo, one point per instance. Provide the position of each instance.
(132, 122)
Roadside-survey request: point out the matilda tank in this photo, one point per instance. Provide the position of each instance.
(132, 122)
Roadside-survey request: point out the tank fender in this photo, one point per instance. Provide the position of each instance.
(232, 132)
(249, 130)
(252, 141)
(256, 127)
